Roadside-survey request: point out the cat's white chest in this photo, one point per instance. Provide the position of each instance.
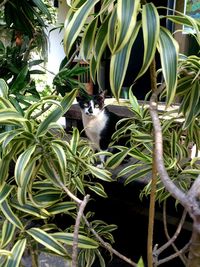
(93, 126)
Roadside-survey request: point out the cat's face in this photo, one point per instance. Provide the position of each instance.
(91, 105)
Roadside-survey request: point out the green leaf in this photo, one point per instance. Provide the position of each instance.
(76, 24)
(134, 103)
(57, 113)
(5, 190)
(8, 231)
(126, 18)
(62, 207)
(116, 159)
(3, 88)
(43, 8)
(119, 64)
(9, 116)
(25, 179)
(151, 29)
(88, 39)
(168, 49)
(20, 81)
(9, 214)
(112, 29)
(83, 241)
(75, 140)
(139, 174)
(99, 46)
(17, 252)
(140, 263)
(128, 169)
(98, 189)
(60, 154)
(22, 163)
(99, 173)
(47, 240)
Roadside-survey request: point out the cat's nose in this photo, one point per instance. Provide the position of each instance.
(90, 111)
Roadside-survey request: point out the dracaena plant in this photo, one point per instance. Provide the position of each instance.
(159, 141)
(115, 28)
(43, 172)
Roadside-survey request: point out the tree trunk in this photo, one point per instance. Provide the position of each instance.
(194, 252)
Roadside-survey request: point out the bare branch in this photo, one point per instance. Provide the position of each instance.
(171, 257)
(76, 230)
(173, 238)
(3, 3)
(169, 185)
(108, 246)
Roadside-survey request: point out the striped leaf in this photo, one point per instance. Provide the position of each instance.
(139, 174)
(168, 49)
(23, 189)
(75, 140)
(8, 231)
(9, 214)
(76, 24)
(119, 64)
(5, 190)
(116, 159)
(112, 29)
(100, 45)
(3, 88)
(83, 241)
(28, 208)
(128, 169)
(9, 116)
(57, 113)
(60, 154)
(134, 103)
(62, 207)
(88, 39)
(17, 252)
(22, 163)
(98, 189)
(151, 28)
(99, 173)
(79, 184)
(47, 240)
(126, 20)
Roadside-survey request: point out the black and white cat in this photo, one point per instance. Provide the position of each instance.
(98, 122)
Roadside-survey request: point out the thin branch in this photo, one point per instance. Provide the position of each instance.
(72, 57)
(174, 237)
(108, 246)
(76, 230)
(153, 182)
(171, 257)
(3, 3)
(169, 185)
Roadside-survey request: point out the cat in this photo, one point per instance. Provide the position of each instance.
(99, 123)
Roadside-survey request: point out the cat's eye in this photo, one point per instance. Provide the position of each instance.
(96, 105)
(85, 105)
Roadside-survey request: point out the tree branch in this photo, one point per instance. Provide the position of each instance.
(76, 230)
(169, 185)
(174, 237)
(3, 3)
(107, 246)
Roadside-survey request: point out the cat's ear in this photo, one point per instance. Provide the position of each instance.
(102, 94)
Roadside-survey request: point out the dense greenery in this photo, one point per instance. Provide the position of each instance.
(44, 172)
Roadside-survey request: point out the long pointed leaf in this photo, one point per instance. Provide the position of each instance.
(126, 16)
(17, 252)
(8, 230)
(47, 240)
(76, 24)
(168, 49)
(57, 113)
(119, 64)
(151, 28)
(9, 214)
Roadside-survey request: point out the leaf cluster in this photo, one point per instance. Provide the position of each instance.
(38, 165)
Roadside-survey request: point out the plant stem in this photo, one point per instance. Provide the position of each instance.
(108, 246)
(76, 230)
(153, 181)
